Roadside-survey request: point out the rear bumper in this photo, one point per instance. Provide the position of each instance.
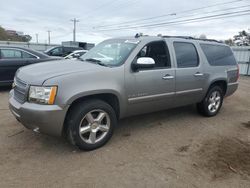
(231, 88)
(47, 119)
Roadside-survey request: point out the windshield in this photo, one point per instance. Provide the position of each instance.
(110, 52)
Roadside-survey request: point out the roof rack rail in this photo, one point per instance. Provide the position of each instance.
(192, 38)
(182, 37)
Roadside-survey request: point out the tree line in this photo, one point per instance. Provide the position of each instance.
(4, 36)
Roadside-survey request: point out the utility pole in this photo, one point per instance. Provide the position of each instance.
(74, 29)
(36, 37)
(48, 36)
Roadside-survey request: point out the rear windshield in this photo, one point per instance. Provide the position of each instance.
(218, 55)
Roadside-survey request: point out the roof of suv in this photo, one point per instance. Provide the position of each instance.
(180, 38)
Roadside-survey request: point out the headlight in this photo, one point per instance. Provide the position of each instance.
(42, 95)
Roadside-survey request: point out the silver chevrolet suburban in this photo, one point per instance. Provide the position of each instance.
(83, 99)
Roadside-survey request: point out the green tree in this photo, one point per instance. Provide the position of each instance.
(5, 37)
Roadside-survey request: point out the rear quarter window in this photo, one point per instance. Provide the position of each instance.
(218, 55)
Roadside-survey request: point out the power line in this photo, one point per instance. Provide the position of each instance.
(198, 19)
(103, 5)
(171, 14)
(191, 15)
(117, 7)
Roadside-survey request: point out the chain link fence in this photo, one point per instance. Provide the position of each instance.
(242, 55)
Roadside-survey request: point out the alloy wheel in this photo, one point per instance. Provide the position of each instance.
(94, 126)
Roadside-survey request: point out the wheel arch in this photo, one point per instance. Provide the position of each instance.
(219, 82)
(110, 98)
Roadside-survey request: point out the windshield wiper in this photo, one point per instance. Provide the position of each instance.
(93, 60)
(102, 64)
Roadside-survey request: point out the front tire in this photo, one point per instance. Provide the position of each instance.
(91, 124)
(211, 104)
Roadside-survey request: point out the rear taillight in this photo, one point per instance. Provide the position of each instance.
(238, 72)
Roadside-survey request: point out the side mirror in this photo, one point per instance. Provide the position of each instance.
(143, 62)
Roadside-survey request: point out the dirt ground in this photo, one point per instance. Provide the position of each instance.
(173, 148)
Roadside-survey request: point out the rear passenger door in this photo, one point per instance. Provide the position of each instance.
(189, 73)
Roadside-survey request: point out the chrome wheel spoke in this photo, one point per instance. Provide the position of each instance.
(103, 128)
(210, 106)
(92, 137)
(100, 117)
(89, 118)
(212, 96)
(217, 99)
(85, 129)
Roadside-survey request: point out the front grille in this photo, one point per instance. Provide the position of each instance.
(20, 90)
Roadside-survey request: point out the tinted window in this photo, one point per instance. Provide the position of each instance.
(27, 55)
(10, 54)
(157, 51)
(218, 55)
(57, 51)
(186, 55)
(68, 49)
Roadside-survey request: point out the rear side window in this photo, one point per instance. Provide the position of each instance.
(218, 55)
(10, 54)
(186, 55)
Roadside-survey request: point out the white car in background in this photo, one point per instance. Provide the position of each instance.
(76, 54)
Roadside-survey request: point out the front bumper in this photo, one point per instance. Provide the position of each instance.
(47, 119)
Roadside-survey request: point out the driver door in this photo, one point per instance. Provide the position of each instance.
(152, 89)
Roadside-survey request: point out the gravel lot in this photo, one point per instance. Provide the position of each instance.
(173, 148)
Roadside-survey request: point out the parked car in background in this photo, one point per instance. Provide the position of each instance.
(76, 54)
(12, 58)
(121, 77)
(61, 51)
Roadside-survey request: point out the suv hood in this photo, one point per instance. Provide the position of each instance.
(38, 73)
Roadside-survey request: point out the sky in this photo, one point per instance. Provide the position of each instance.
(103, 19)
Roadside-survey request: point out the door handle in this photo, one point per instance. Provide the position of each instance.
(198, 74)
(167, 77)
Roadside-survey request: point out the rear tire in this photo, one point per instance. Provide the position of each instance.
(211, 104)
(90, 124)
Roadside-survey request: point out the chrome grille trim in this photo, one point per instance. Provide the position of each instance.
(20, 90)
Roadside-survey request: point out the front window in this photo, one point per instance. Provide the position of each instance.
(158, 51)
(110, 52)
